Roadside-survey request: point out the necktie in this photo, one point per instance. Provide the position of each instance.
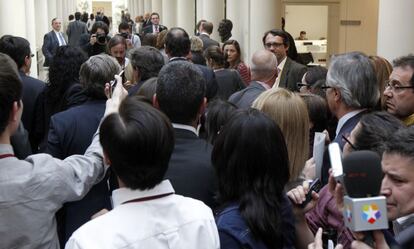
(61, 40)
(156, 29)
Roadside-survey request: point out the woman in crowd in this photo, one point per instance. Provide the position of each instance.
(232, 52)
(383, 70)
(117, 48)
(369, 134)
(289, 111)
(228, 80)
(218, 113)
(161, 43)
(62, 91)
(313, 75)
(252, 171)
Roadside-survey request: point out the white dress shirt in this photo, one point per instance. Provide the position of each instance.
(280, 67)
(166, 221)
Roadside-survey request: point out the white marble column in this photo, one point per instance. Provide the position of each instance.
(157, 7)
(31, 34)
(169, 12)
(395, 32)
(51, 10)
(43, 24)
(12, 18)
(186, 15)
(213, 11)
(237, 11)
(263, 17)
(148, 6)
(141, 7)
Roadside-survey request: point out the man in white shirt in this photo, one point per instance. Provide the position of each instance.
(53, 40)
(137, 143)
(290, 72)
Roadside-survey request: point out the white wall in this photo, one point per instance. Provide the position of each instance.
(312, 19)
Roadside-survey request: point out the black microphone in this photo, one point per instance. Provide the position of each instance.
(364, 209)
(362, 174)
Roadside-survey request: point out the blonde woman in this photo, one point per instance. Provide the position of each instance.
(289, 111)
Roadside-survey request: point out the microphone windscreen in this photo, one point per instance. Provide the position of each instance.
(362, 174)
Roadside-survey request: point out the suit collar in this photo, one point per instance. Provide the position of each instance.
(185, 127)
(344, 119)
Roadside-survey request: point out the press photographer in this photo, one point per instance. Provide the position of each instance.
(95, 43)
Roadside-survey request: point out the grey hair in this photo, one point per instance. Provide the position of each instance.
(263, 63)
(97, 71)
(354, 76)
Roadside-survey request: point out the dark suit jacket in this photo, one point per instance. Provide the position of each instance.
(209, 76)
(346, 129)
(246, 97)
(74, 32)
(292, 73)
(31, 90)
(50, 44)
(148, 29)
(207, 41)
(190, 170)
(70, 133)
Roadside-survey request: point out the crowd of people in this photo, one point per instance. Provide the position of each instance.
(150, 138)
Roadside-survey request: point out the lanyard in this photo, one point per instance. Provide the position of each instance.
(148, 198)
(6, 155)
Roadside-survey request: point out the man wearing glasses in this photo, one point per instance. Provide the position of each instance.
(290, 72)
(399, 92)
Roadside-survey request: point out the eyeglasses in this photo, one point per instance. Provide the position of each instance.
(299, 84)
(273, 44)
(325, 87)
(349, 142)
(395, 85)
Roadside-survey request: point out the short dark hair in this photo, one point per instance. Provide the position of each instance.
(147, 60)
(405, 61)
(71, 17)
(17, 48)
(376, 128)
(99, 25)
(401, 143)
(177, 42)
(97, 71)
(114, 41)
(208, 27)
(314, 74)
(277, 32)
(155, 13)
(138, 141)
(10, 89)
(78, 16)
(252, 170)
(123, 25)
(180, 91)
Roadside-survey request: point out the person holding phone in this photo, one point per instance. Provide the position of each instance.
(132, 40)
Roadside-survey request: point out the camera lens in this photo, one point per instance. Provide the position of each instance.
(101, 38)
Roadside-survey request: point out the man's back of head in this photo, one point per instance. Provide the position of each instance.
(17, 48)
(181, 91)
(353, 75)
(207, 27)
(78, 16)
(263, 66)
(97, 71)
(10, 90)
(147, 61)
(177, 43)
(138, 141)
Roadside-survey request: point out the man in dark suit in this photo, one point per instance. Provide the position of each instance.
(18, 49)
(290, 72)
(263, 70)
(75, 30)
(156, 27)
(180, 94)
(71, 132)
(52, 40)
(177, 48)
(351, 89)
(206, 28)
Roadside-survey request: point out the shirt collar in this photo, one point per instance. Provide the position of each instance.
(6, 149)
(122, 195)
(266, 86)
(281, 64)
(409, 121)
(205, 33)
(185, 127)
(345, 118)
